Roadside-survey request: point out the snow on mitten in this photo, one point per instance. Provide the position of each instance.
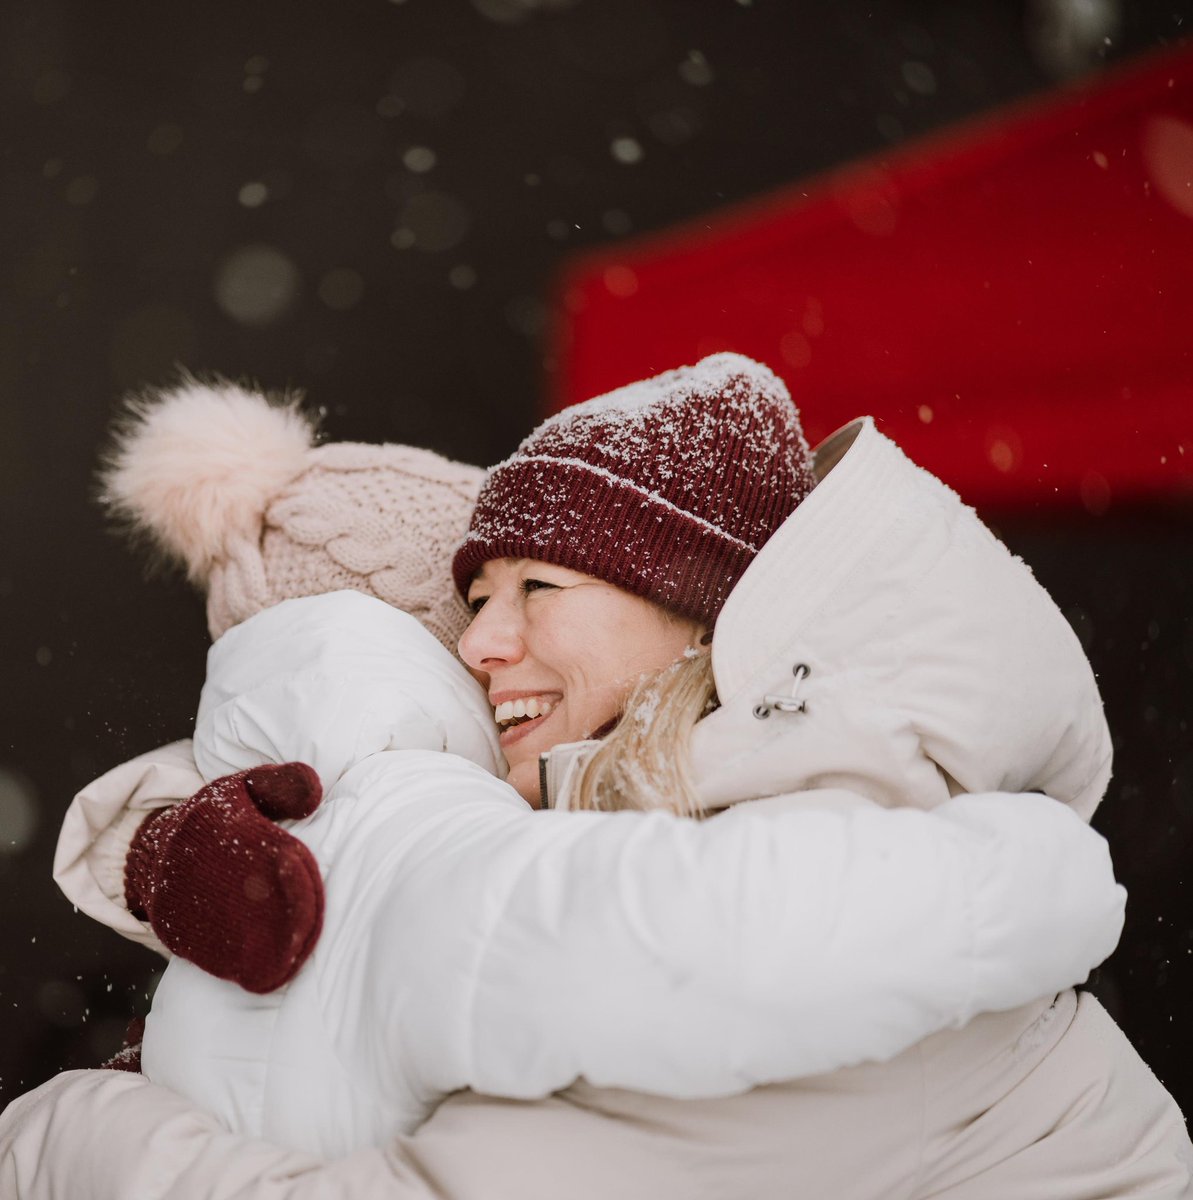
(128, 1057)
(224, 887)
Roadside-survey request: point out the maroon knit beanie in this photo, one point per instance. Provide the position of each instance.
(666, 488)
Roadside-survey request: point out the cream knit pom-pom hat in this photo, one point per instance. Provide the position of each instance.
(230, 484)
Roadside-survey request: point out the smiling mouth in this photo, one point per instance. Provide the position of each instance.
(512, 713)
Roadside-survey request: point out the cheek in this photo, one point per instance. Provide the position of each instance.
(597, 673)
(598, 652)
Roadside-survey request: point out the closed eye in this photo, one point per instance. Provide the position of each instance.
(525, 586)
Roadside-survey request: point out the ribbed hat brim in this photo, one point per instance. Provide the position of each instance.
(643, 543)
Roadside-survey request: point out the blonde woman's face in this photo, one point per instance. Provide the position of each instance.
(558, 652)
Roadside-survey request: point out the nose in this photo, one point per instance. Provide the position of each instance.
(493, 638)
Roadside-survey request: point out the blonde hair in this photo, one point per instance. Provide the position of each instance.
(643, 763)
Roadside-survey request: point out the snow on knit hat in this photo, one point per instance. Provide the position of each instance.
(230, 484)
(667, 487)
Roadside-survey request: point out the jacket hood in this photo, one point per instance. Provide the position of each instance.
(328, 680)
(932, 661)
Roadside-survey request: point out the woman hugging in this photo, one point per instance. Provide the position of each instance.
(670, 811)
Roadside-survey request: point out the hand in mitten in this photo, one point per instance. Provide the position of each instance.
(224, 887)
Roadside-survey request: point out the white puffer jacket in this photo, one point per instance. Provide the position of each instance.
(471, 943)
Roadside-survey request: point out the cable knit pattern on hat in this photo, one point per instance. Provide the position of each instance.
(667, 487)
(228, 483)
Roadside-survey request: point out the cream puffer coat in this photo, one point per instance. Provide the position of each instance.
(1042, 1101)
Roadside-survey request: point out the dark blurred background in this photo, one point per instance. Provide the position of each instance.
(370, 200)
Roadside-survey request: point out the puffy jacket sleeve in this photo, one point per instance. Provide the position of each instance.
(109, 1135)
(100, 823)
(517, 951)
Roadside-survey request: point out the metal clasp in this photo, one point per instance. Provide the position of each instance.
(791, 703)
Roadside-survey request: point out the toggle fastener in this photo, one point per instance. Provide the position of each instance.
(791, 703)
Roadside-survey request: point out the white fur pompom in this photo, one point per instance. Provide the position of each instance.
(193, 468)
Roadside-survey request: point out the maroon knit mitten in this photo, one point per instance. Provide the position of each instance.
(128, 1057)
(224, 887)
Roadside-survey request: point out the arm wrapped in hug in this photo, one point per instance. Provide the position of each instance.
(480, 945)
(201, 871)
(698, 959)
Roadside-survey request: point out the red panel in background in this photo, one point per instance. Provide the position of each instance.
(1012, 301)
